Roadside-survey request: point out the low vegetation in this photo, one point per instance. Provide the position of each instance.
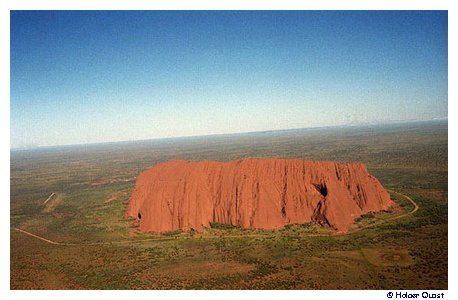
(405, 253)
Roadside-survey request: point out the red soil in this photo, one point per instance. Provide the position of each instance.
(254, 193)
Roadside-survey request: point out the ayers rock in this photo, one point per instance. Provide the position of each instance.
(254, 193)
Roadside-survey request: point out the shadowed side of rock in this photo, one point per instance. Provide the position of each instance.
(254, 193)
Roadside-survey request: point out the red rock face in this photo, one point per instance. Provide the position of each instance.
(254, 193)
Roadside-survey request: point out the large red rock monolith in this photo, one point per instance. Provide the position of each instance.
(254, 193)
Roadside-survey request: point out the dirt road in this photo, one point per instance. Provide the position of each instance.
(49, 198)
(416, 207)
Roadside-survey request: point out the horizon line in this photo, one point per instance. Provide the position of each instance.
(230, 133)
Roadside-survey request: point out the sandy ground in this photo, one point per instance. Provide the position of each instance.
(416, 207)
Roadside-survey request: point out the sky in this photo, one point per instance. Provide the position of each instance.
(101, 76)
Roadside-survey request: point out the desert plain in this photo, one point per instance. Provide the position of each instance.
(70, 227)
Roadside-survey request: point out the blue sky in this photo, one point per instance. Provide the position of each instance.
(85, 77)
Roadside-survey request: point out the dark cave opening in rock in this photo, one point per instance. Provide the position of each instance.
(322, 188)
